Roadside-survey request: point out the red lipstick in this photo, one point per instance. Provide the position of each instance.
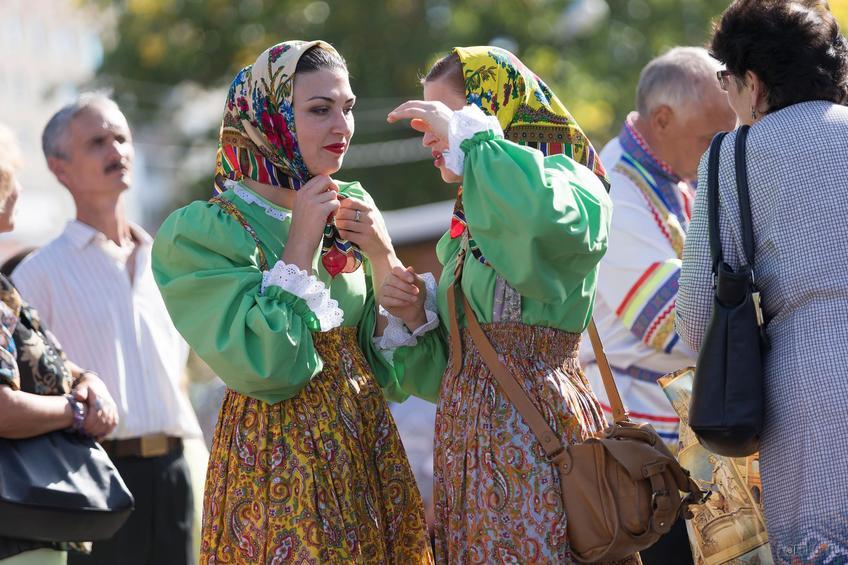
(337, 148)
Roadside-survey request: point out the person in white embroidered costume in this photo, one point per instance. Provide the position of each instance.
(94, 289)
(652, 165)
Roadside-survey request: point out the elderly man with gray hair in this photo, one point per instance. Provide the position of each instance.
(94, 288)
(652, 165)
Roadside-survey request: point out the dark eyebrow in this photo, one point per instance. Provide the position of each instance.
(330, 100)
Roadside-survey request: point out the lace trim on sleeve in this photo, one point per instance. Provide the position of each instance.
(464, 125)
(309, 289)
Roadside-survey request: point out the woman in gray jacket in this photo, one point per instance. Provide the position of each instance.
(787, 77)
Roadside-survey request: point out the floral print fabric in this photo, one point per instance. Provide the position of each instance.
(258, 138)
(30, 357)
(31, 360)
(529, 113)
(319, 478)
(497, 497)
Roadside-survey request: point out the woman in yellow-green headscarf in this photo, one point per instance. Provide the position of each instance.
(529, 228)
(271, 282)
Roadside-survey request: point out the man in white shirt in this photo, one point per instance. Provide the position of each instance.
(653, 166)
(94, 288)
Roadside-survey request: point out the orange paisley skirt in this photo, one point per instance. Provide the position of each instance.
(319, 478)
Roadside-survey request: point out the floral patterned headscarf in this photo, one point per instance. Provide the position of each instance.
(258, 138)
(529, 113)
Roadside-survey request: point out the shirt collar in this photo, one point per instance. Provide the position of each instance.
(81, 234)
(634, 144)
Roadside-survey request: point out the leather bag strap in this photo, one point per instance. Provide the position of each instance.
(742, 192)
(619, 414)
(508, 383)
(511, 387)
(746, 223)
(712, 200)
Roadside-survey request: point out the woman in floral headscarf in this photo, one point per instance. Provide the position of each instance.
(271, 283)
(529, 228)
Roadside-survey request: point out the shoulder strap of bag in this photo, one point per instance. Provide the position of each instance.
(741, 166)
(233, 211)
(508, 383)
(744, 197)
(712, 200)
(619, 414)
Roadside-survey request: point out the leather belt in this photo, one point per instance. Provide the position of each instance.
(153, 445)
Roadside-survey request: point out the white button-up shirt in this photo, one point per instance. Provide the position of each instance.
(80, 286)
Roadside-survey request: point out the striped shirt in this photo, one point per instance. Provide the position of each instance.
(80, 286)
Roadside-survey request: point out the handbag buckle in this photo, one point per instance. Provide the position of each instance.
(560, 458)
(660, 496)
(154, 445)
(758, 307)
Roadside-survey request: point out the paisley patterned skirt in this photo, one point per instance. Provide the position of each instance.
(497, 498)
(319, 478)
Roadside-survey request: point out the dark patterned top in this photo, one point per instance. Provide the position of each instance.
(31, 360)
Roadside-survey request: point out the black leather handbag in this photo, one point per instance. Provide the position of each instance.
(60, 487)
(726, 410)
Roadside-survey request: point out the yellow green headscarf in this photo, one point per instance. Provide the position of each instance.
(529, 113)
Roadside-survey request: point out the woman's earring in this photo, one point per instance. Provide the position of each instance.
(754, 114)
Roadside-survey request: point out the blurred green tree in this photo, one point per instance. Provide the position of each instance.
(589, 51)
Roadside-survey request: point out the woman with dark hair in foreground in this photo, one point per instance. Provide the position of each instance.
(787, 77)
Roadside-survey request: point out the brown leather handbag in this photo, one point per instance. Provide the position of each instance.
(620, 490)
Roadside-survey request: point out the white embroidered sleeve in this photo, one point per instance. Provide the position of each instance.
(463, 125)
(396, 334)
(309, 289)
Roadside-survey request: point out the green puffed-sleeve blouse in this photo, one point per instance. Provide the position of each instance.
(542, 223)
(259, 342)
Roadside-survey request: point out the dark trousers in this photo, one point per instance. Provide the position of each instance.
(158, 531)
(672, 548)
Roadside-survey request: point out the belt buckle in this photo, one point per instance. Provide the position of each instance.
(154, 445)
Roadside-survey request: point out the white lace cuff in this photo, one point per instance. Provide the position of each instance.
(396, 334)
(463, 125)
(309, 289)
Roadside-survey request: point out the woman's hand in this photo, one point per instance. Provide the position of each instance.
(102, 413)
(314, 204)
(403, 294)
(433, 117)
(361, 223)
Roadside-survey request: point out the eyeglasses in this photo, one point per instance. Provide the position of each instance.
(722, 77)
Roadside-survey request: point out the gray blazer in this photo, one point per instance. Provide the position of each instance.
(798, 178)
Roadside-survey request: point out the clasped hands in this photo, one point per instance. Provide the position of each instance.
(398, 289)
(101, 412)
